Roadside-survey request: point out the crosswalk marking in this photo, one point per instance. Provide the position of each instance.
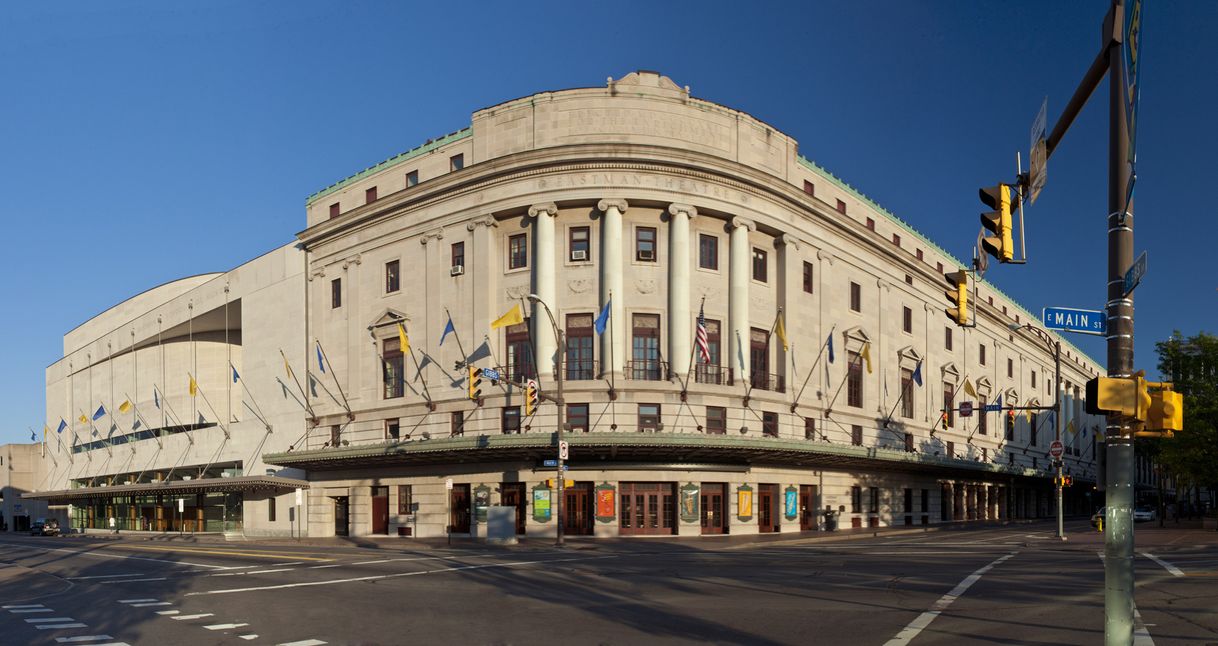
(29, 610)
(56, 626)
(198, 616)
(168, 612)
(248, 637)
(82, 638)
(155, 603)
(307, 642)
(28, 605)
(101, 576)
(135, 600)
(224, 626)
(48, 620)
(286, 569)
(161, 578)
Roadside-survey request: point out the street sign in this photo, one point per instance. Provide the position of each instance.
(181, 505)
(448, 484)
(563, 450)
(299, 497)
(993, 408)
(490, 373)
(966, 409)
(1056, 449)
(1135, 273)
(549, 463)
(1039, 158)
(1069, 319)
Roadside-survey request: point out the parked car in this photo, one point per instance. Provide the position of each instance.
(1144, 514)
(45, 527)
(1097, 517)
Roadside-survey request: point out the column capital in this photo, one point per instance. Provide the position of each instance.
(484, 221)
(743, 222)
(548, 208)
(612, 203)
(689, 211)
(787, 239)
(437, 234)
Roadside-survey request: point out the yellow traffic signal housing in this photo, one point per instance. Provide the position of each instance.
(474, 383)
(957, 296)
(1166, 410)
(1001, 245)
(530, 398)
(1127, 396)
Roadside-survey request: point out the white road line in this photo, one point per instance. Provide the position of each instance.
(168, 612)
(397, 575)
(161, 578)
(54, 626)
(237, 567)
(28, 610)
(248, 637)
(923, 620)
(1175, 571)
(1141, 636)
(102, 576)
(291, 563)
(286, 569)
(49, 620)
(322, 567)
(83, 638)
(145, 605)
(28, 605)
(224, 626)
(371, 562)
(135, 600)
(120, 556)
(307, 642)
(186, 617)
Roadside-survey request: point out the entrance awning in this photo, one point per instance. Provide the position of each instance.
(176, 487)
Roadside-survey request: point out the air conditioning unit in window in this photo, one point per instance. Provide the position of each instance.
(457, 270)
(647, 254)
(579, 254)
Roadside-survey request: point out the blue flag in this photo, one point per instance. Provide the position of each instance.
(447, 328)
(321, 365)
(99, 413)
(999, 402)
(33, 436)
(62, 425)
(235, 376)
(917, 374)
(602, 319)
(830, 347)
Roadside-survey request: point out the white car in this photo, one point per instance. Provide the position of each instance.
(1144, 514)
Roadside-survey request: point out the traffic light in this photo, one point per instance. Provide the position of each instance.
(1000, 245)
(530, 397)
(1068, 480)
(1166, 410)
(474, 383)
(1126, 396)
(957, 296)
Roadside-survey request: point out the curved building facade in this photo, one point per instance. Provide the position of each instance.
(745, 340)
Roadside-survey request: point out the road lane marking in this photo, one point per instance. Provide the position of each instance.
(28, 605)
(57, 626)
(371, 562)
(95, 554)
(923, 620)
(160, 578)
(29, 610)
(83, 638)
(398, 575)
(102, 576)
(1175, 571)
(292, 563)
(49, 620)
(286, 569)
(322, 567)
(168, 612)
(199, 616)
(1141, 636)
(155, 603)
(224, 626)
(260, 555)
(135, 600)
(248, 637)
(307, 642)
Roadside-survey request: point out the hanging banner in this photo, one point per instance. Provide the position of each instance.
(744, 503)
(541, 503)
(791, 502)
(689, 503)
(606, 503)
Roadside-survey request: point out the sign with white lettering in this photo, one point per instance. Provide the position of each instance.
(1039, 156)
(1071, 320)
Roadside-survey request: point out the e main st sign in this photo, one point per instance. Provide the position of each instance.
(1074, 320)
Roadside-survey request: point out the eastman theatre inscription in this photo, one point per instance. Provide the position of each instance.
(642, 180)
(649, 123)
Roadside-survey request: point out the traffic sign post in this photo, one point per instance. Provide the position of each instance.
(1068, 319)
(1056, 449)
(966, 409)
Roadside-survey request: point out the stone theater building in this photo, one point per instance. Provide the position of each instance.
(748, 341)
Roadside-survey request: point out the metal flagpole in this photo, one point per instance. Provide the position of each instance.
(812, 370)
(228, 352)
(612, 365)
(334, 376)
(190, 323)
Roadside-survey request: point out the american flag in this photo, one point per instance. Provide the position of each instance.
(702, 339)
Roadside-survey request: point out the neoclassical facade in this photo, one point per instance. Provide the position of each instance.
(643, 208)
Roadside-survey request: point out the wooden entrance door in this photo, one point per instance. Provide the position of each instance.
(577, 509)
(767, 516)
(512, 495)
(458, 506)
(341, 528)
(807, 507)
(714, 508)
(648, 508)
(380, 510)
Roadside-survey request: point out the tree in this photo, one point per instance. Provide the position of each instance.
(1191, 364)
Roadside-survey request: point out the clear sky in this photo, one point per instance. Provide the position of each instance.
(146, 141)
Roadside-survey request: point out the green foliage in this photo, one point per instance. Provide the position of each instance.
(1191, 364)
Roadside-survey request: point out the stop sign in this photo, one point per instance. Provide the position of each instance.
(1056, 449)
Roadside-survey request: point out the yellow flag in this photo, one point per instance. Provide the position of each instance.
(402, 339)
(968, 388)
(194, 387)
(866, 354)
(287, 366)
(84, 420)
(513, 317)
(125, 406)
(782, 334)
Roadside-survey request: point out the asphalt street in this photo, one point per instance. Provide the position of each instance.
(1010, 585)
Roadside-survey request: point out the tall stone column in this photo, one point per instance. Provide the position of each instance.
(545, 346)
(739, 263)
(789, 275)
(679, 341)
(613, 345)
(482, 267)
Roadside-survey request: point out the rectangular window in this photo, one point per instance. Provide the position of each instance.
(856, 500)
(759, 265)
(909, 442)
(870, 222)
(580, 244)
(769, 424)
(854, 380)
(456, 423)
(645, 361)
(270, 509)
(458, 254)
(919, 254)
(716, 420)
(1033, 378)
(759, 360)
(947, 339)
(841, 207)
(518, 251)
(809, 188)
(645, 244)
(708, 251)
(1032, 425)
(907, 320)
(581, 364)
(907, 393)
(405, 500)
(808, 277)
(520, 353)
(983, 421)
(1010, 368)
(1010, 458)
(984, 455)
(856, 434)
(925, 500)
(394, 368)
(412, 178)
(981, 353)
(336, 432)
(949, 398)
(577, 417)
(510, 421)
(649, 417)
(456, 162)
(809, 428)
(370, 195)
(875, 500)
(856, 297)
(951, 449)
(334, 210)
(710, 372)
(896, 239)
(393, 429)
(393, 276)
(336, 293)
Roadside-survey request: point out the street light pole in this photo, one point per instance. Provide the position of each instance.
(559, 404)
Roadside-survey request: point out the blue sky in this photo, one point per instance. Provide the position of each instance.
(146, 141)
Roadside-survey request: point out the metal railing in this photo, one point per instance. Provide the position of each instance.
(765, 381)
(715, 375)
(647, 370)
(580, 369)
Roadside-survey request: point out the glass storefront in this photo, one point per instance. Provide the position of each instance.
(201, 512)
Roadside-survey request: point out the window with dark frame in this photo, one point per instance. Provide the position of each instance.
(769, 424)
(1033, 378)
(334, 210)
(412, 178)
(925, 500)
(649, 417)
(710, 372)
(918, 255)
(854, 380)
(809, 188)
(458, 254)
(983, 420)
(580, 359)
(907, 320)
(949, 398)
(896, 239)
(759, 359)
(393, 276)
(393, 429)
(856, 297)
(981, 353)
(875, 500)
(947, 339)
(336, 432)
(270, 509)
(645, 244)
(370, 195)
(456, 423)
(716, 420)
(520, 353)
(577, 417)
(907, 395)
(405, 500)
(645, 364)
(336, 293)
(759, 265)
(841, 207)
(1010, 368)
(510, 420)
(951, 449)
(909, 443)
(856, 500)
(580, 244)
(856, 434)
(1033, 440)
(456, 162)
(708, 251)
(393, 367)
(808, 282)
(518, 251)
(809, 428)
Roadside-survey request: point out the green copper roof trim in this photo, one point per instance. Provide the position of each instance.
(838, 182)
(392, 161)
